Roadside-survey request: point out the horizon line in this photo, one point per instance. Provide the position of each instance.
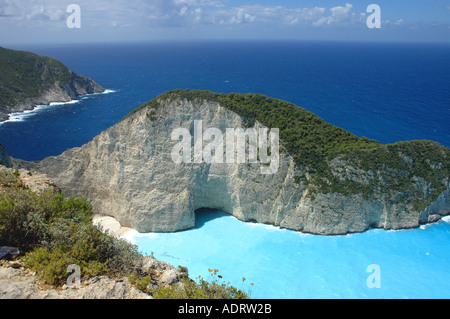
(225, 40)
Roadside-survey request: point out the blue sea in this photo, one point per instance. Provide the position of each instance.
(384, 91)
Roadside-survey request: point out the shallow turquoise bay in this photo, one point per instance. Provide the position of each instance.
(290, 265)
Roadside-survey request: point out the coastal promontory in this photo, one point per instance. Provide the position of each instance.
(324, 179)
(28, 80)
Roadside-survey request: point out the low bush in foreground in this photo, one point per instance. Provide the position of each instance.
(202, 289)
(54, 232)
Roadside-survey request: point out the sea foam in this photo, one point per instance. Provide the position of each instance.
(22, 116)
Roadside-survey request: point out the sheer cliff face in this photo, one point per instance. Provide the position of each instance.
(129, 172)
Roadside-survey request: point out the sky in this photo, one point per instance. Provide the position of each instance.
(45, 21)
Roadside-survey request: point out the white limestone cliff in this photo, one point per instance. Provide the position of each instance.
(127, 172)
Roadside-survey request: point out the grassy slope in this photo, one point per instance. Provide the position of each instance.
(27, 75)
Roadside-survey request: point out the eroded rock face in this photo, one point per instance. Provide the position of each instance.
(127, 172)
(4, 157)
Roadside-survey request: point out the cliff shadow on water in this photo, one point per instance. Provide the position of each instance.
(205, 215)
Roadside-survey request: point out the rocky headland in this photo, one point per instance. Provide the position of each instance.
(327, 180)
(28, 80)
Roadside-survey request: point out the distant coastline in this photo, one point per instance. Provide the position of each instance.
(30, 80)
(20, 116)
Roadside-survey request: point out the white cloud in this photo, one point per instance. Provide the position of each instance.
(241, 16)
(23, 11)
(388, 22)
(339, 15)
(273, 15)
(340, 12)
(145, 16)
(183, 10)
(212, 3)
(171, 13)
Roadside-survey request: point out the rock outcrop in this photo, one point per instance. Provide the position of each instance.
(36, 182)
(4, 157)
(17, 282)
(128, 172)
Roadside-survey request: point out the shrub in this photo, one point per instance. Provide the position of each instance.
(22, 220)
(140, 282)
(82, 244)
(55, 232)
(51, 266)
(201, 289)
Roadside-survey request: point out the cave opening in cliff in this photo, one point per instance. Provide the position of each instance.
(204, 215)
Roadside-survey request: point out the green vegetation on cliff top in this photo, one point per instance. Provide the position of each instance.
(27, 75)
(314, 143)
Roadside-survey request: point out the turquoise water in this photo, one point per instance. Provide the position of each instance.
(290, 265)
